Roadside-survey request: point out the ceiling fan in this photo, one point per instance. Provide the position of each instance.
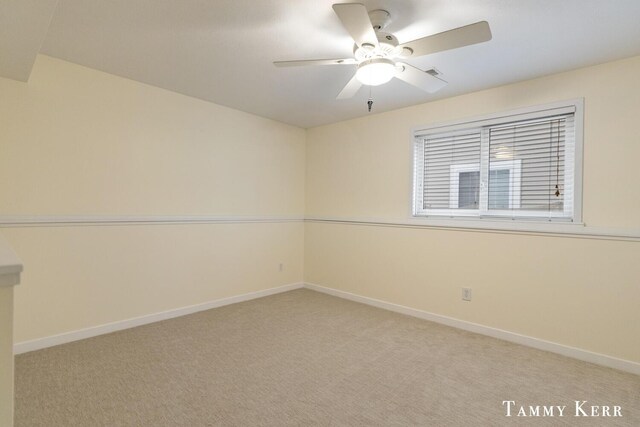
(376, 52)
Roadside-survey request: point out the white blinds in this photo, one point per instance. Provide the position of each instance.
(530, 168)
(452, 171)
(520, 167)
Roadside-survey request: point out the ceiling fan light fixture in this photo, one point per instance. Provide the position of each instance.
(375, 50)
(376, 71)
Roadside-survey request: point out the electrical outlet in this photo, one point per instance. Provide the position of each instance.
(466, 294)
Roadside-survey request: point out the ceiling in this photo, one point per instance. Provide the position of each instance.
(222, 50)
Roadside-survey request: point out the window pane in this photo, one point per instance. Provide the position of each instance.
(534, 152)
(469, 190)
(451, 171)
(499, 183)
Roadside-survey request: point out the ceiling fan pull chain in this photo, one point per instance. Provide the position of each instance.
(370, 101)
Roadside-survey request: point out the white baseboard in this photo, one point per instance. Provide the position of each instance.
(40, 343)
(576, 353)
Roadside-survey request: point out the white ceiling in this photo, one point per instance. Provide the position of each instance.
(222, 50)
(23, 27)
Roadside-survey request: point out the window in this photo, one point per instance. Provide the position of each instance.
(518, 165)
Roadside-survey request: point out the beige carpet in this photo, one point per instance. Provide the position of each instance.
(304, 358)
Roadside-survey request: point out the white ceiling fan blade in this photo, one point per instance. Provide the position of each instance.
(452, 39)
(347, 61)
(355, 19)
(420, 79)
(350, 89)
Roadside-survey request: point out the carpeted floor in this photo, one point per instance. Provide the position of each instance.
(304, 358)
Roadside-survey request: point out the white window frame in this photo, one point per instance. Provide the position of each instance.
(478, 216)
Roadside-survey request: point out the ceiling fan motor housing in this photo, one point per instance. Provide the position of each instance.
(388, 48)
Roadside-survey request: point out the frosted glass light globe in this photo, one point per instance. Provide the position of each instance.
(376, 71)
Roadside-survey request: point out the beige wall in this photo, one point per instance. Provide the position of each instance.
(77, 277)
(6, 356)
(75, 141)
(572, 291)
(81, 142)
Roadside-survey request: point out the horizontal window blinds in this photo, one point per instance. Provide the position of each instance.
(518, 167)
(452, 171)
(530, 165)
